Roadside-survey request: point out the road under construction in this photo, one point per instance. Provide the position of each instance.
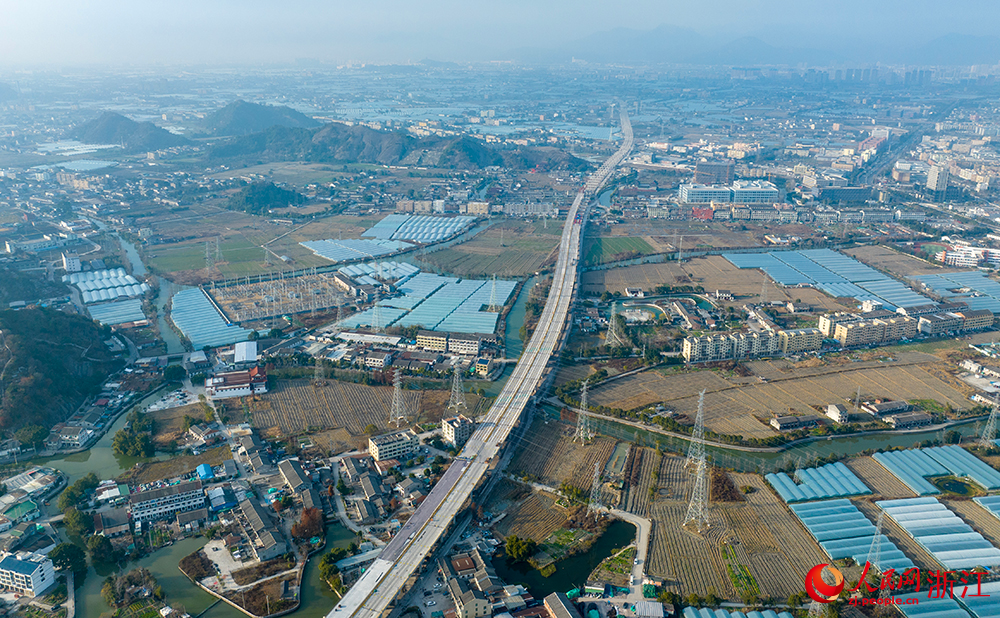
(383, 581)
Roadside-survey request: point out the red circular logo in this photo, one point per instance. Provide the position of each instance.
(818, 589)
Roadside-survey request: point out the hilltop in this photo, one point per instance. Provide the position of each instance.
(112, 128)
(339, 143)
(50, 362)
(242, 118)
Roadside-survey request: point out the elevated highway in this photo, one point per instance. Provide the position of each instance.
(385, 578)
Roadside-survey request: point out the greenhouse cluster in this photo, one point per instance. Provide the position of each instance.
(830, 481)
(831, 272)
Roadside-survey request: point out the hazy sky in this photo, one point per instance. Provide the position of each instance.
(75, 32)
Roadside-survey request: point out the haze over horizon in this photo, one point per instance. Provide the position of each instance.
(60, 33)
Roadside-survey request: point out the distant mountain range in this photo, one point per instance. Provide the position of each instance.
(667, 44)
(242, 118)
(112, 128)
(339, 143)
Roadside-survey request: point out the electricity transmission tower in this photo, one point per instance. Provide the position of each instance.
(494, 306)
(615, 337)
(583, 432)
(397, 414)
(989, 436)
(377, 325)
(208, 257)
(697, 514)
(875, 551)
(457, 404)
(696, 451)
(857, 401)
(594, 507)
(320, 373)
(763, 292)
(218, 250)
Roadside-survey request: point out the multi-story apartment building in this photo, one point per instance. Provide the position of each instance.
(392, 445)
(741, 345)
(976, 319)
(851, 330)
(708, 348)
(828, 322)
(467, 345)
(755, 192)
(26, 573)
(430, 340)
(861, 332)
(800, 340)
(457, 429)
(714, 172)
(166, 501)
(705, 194)
(940, 323)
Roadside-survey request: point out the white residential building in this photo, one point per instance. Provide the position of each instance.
(26, 573)
(164, 502)
(392, 445)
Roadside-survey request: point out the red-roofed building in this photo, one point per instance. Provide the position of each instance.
(236, 384)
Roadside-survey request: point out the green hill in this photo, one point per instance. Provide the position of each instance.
(242, 118)
(49, 362)
(339, 143)
(112, 128)
(259, 197)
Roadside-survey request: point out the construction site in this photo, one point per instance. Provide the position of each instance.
(259, 298)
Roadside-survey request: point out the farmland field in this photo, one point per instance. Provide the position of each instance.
(535, 517)
(711, 273)
(168, 423)
(296, 406)
(602, 250)
(878, 479)
(743, 408)
(547, 453)
(525, 247)
(897, 263)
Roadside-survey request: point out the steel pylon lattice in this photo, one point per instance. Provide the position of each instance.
(615, 338)
(457, 404)
(697, 513)
(989, 435)
(583, 432)
(494, 306)
(320, 373)
(594, 506)
(696, 451)
(875, 551)
(397, 414)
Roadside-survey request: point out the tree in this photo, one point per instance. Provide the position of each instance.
(328, 570)
(311, 524)
(101, 550)
(69, 557)
(78, 523)
(32, 435)
(371, 430)
(75, 493)
(174, 373)
(519, 549)
(952, 437)
(253, 336)
(342, 487)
